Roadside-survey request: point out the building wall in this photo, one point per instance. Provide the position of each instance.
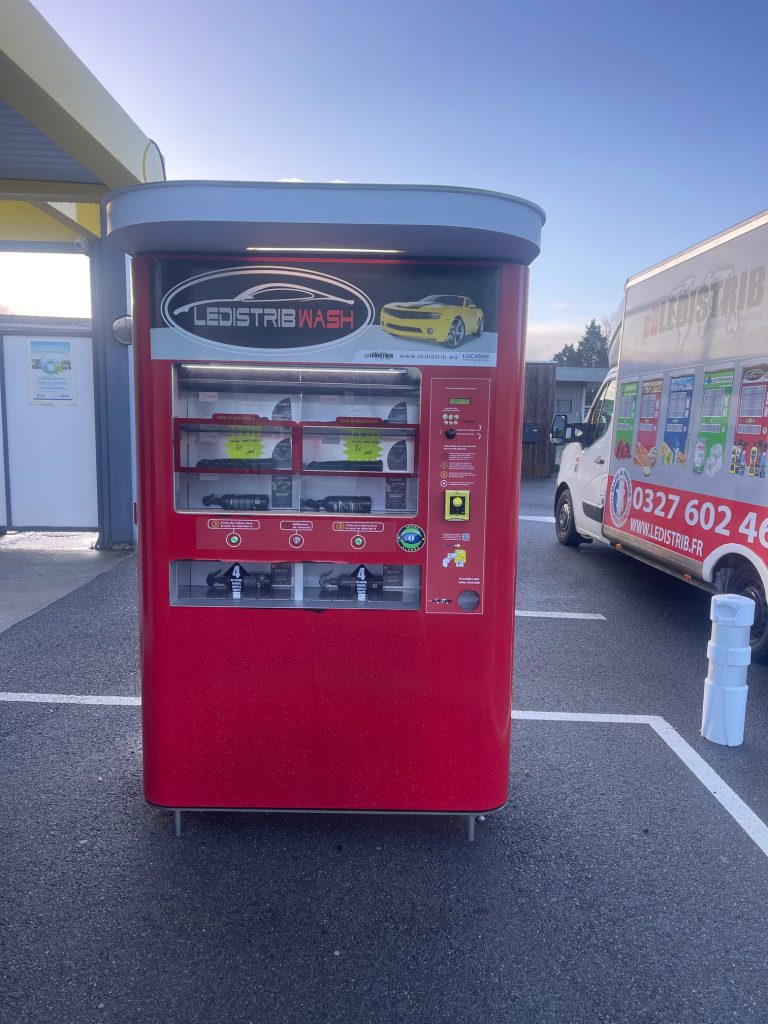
(538, 410)
(569, 398)
(577, 385)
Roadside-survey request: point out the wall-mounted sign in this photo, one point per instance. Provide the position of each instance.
(50, 372)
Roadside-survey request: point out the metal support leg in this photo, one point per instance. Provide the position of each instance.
(177, 823)
(471, 828)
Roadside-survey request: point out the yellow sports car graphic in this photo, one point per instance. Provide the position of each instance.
(447, 319)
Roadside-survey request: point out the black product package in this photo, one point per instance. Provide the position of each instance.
(392, 576)
(281, 574)
(395, 494)
(282, 491)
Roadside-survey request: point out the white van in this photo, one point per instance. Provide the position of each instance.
(671, 466)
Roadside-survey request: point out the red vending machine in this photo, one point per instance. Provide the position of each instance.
(329, 385)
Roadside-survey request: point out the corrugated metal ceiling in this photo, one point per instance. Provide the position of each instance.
(28, 154)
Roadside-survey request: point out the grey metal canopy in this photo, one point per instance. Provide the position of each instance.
(399, 220)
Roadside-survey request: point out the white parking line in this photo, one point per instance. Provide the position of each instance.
(70, 698)
(559, 615)
(741, 813)
(538, 519)
(581, 716)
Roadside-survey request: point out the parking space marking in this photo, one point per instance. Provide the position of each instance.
(538, 519)
(741, 813)
(582, 716)
(70, 698)
(560, 615)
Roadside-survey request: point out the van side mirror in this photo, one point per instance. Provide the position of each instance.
(563, 432)
(558, 432)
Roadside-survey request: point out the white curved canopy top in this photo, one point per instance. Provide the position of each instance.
(409, 220)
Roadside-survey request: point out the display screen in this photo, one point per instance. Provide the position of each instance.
(460, 401)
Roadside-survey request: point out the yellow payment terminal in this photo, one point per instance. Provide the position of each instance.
(456, 506)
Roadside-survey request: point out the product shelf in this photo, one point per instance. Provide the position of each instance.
(208, 597)
(234, 470)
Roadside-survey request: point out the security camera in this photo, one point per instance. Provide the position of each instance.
(81, 245)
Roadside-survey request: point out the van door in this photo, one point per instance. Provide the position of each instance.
(594, 461)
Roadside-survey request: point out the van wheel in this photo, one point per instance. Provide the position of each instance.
(746, 581)
(564, 523)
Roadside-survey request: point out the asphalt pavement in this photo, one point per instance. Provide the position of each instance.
(612, 888)
(39, 567)
(648, 657)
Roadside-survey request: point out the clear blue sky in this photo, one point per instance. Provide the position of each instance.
(640, 127)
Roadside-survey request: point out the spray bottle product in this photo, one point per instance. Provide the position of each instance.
(238, 502)
(339, 503)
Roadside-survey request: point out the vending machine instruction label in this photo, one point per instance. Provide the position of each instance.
(458, 462)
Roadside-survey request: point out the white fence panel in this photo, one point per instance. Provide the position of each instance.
(51, 429)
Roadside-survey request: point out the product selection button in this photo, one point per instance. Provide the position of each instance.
(358, 542)
(234, 540)
(296, 541)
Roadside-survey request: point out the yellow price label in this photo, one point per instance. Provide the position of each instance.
(363, 446)
(245, 446)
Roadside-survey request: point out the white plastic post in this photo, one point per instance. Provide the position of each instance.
(725, 688)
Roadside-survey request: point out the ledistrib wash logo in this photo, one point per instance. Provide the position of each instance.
(269, 307)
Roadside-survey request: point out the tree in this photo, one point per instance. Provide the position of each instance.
(567, 356)
(606, 326)
(591, 350)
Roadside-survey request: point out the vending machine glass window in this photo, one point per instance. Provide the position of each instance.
(316, 585)
(308, 439)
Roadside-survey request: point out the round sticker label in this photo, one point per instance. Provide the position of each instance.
(621, 497)
(411, 537)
